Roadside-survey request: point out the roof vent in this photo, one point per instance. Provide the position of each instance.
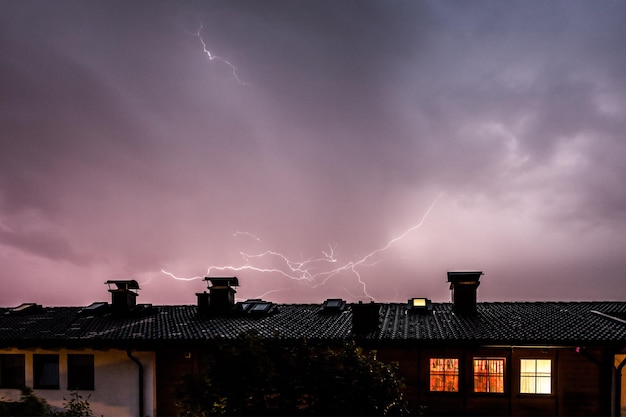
(333, 305)
(419, 305)
(365, 317)
(221, 296)
(122, 298)
(463, 285)
(25, 308)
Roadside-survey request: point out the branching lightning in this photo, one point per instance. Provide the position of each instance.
(255, 237)
(313, 272)
(218, 58)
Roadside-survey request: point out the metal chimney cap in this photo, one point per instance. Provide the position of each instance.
(224, 281)
(121, 284)
(464, 275)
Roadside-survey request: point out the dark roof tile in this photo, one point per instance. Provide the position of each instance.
(495, 323)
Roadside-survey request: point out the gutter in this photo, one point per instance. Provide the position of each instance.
(618, 387)
(140, 368)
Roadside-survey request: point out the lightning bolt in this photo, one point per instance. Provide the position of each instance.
(255, 237)
(218, 58)
(313, 271)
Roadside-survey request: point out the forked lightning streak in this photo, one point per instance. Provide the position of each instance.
(218, 58)
(313, 272)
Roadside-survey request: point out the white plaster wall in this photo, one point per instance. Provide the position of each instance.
(116, 384)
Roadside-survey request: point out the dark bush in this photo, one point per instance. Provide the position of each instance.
(255, 376)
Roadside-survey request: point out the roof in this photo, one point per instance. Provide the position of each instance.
(508, 323)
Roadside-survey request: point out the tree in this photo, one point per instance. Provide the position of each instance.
(256, 376)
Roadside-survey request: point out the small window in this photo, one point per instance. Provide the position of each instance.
(12, 371)
(80, 372)
(46, 371)
(418, 302)
(535, 376)
(489, 375)
(444, 374)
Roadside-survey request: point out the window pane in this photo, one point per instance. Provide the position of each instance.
(46, 371)
(544, 366)
(527, 366)
(543, 386)
(436, 364)
(527, 384)
(535, 376)
(489, 375)
(436, 383)
(12, 371)
(452, 384)
(80, 372)
(444, 374)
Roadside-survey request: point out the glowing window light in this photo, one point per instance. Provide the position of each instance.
(489, 375)
(444, 374)
(535, 376)
(419, 302)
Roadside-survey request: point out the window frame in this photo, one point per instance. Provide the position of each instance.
(500, 374)
(535, 376)
(9, 377)
(80, 376)
(46, 365)
(444, 374)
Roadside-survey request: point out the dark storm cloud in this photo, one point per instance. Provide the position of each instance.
(60, 121)
(47, 244)
(540, 72)
(126, 150)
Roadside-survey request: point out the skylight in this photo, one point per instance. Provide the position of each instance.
(419, 305)
(257, 306)
(95, 308)
(260, 307)
(25, 308)
(333, 305)
(419, 302)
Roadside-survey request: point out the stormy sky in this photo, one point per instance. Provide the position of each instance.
(314, 149)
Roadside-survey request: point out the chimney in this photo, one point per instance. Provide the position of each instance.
(203, 302)
(221, 296)
(122, 298)
(365, 317)
(463, 285)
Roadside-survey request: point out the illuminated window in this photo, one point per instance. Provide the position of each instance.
(80, 372)
(444, 374)
(535, 376)
(419, 302)
(489, 375)
(46, 371)
(12, 371)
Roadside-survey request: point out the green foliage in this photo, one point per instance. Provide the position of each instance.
(253, 376)
(31, 405)
(28, 405)
(75, 406)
